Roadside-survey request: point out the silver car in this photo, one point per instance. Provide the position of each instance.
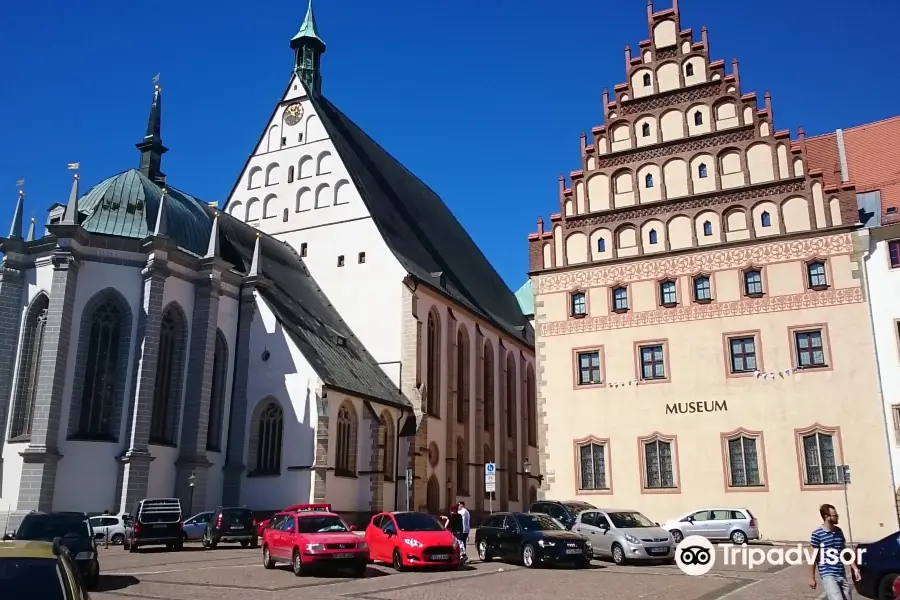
(624, 535)
(735, 524)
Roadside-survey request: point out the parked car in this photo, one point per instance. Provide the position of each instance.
(879, 568)
(563, 511)
(532, 538)
(261, 524)
(69, 530)
(313, 538)
(411, 539)
(39, 570)
(625, 535)
(157, 522)
(112, 528)
(195, 527)
(735, 524)
(230, 525)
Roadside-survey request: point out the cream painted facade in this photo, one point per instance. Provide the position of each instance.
(701, 320)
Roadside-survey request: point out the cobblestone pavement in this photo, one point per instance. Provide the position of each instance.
(233, 573)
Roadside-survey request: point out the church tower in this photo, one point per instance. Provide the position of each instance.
(308, 49)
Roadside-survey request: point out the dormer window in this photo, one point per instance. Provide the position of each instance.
(698, 118)
(645, 130)
(578, 304)
(689, 70)
(647, 80)
(701, 171)
(648, 180)
(765, 219)
(707, 228)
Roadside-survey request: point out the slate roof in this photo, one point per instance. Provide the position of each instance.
(418, 227)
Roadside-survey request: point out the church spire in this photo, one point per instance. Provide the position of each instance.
(70, 217)
(15, 230)
(151, 146)
(308, 49)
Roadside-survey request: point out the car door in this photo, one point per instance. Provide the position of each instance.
(388, 538)
(273, 535)
(604, 537)
(510, 537)
(586, 526)
(374, 537)
(97, 526)
(697, 523)
(719, 524)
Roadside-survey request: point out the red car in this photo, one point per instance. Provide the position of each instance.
(411, 539)
(262, 524)
(313, 538)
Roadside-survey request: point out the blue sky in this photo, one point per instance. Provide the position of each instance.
(484, 100)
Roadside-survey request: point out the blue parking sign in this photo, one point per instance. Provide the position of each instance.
(489, 468)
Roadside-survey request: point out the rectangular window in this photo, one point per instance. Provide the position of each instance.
(620, 299)
(653, 365)
(579, 304)
(743, 354)
(819, 461)
(894, 252)
(658, 469)
(702, 291)
(362, 257)
(589, 371)
(341, 260)
(743, 462)
(753, 283)
(895, 413)
(810, 352)
(592, 460)
(303, 250)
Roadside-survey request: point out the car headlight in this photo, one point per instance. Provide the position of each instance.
(631, 539)
(546, 544)
(315, 547)
(84, 556)
(588, 545)
(412, 543)
(362, 546)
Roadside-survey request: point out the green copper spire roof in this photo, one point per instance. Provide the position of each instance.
(308, 28)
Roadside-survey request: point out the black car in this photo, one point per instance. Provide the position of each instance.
(563, 511)
(231, 525)
(532, 538)
(157, 522)
(73, 529)
(879, 567)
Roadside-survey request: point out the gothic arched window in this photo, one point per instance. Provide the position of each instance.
(433, 364)
(698, 118)
(462, 468)
(701, 171)
(648, 180)
(645, 130)
(511, 401)
(167, 387)
(269, 434)
(217, 394)
(345, 454)
(462, 376)
(105, 350)
(29, 367)
(387, 443)
(488, 387)
(689, 70)
(531, 400)
(646, 79)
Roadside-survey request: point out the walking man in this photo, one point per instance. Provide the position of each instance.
(828, 542)
(464, 535)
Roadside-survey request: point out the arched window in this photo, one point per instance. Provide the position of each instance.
(269, 434)
(689, 70)
(707, 228)
(29, 367)
(433, 364)
(217, 394)
(765, 219)
(462, 375)
(285, 215)
(512, 476)
(290, 178)
(433, 495)
(645, 130)
(653, 236)
(462, 468)
(387, 444)
(648, 180)
(701, 171)
(488, 387)
(646, 79)
(601, 245)
(345, 453)
(167, 387)
(531, 399)
(105, 328)
(698, 118)
(511, 400)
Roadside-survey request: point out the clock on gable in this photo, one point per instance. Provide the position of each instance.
(293, 113)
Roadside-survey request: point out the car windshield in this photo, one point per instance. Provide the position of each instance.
(417, 522)
(237, 514)
(629, 520)
(328, 524)
(47, 527)
(577, 507)
(539, 523)
(32, 578)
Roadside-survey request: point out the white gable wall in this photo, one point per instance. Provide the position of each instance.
(322, 209)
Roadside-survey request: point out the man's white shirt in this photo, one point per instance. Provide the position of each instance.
(466, 519)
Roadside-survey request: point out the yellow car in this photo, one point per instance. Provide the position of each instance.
(38, 571)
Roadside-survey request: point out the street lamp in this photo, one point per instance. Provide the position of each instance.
(191, 481)
(526, 466)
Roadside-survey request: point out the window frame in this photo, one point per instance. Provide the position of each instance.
(612, 298)
(822, 329)
(571, 296)
(698, 118)
(808, 278)
(348, 468)
(728, 337)
(762, 466)
(656, 436)
(710, 280)
(707, 226)
(607, 466)
(702, 171)
(745, 289)
(661, 293)
(895, 417)
(576, 367)
(639, 365)
(799, 434)
(891, 246)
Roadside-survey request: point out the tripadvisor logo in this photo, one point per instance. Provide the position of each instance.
(696, 555)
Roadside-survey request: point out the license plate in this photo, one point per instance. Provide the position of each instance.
(440, 557)
(237, 527)
(573, 551)
(659, 550)
(344, 555)
(159, 526)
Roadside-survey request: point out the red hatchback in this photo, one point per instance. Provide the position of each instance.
(315, 538)
(411, 539)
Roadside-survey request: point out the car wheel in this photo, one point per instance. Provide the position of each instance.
(254, 543)
(213, 543)
(268, 563)
(205, 541)
(484, 553)
(93, 581)
(738, 537)
(669, 561)
(132, 547)
(297, 563)
(126, 545)
(618, 555)
(245, 544)
(584, 563)
(886, 587)
(179, 546)
(677, 536)
(185, 536)
(118, 539)
(529, 559)
(397, 561)
(359, 570)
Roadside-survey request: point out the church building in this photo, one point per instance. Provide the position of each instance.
(702, 328)
(331, 331)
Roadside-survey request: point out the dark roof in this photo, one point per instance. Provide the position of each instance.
(311, 321)
(418, 227)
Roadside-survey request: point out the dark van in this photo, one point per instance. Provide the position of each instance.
(234, 524)
(72, 530)
(157, 522)
(564, 512)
